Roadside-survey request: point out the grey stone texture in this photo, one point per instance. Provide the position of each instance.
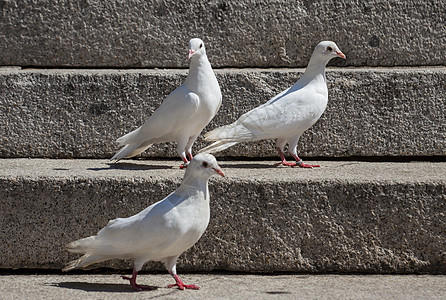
(343, 217)
(224, 286)
(80, 113)
(132, 34)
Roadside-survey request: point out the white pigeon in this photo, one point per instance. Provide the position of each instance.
(183, 114)
(161, 232)
(287, 115)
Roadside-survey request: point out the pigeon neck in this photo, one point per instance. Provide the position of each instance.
(315, 71)
(195, 182)
(198, 70)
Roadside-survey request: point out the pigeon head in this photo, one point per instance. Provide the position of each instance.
(327, 50)
(196, 47)
(204, 165)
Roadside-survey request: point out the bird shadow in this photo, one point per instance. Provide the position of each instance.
(130, 166)
(278, 293)
(253, 165)
(95, 287)
(98, 287)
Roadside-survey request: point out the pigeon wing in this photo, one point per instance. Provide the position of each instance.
(280, 116)
(151, 230)
(177, 110)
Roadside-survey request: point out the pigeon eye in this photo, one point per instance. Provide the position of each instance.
(205, 164)
(329, 49)
(201, 46)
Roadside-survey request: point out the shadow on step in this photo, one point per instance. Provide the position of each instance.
(97, 287)
(130, 166)
(253, 165)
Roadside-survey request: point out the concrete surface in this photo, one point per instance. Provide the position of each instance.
(274, 33)
(218, 286)
(80, 113)
(342, 217)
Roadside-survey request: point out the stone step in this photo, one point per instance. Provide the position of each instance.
(80, 113)
(214, 285)
(346, 216)
(151, 33)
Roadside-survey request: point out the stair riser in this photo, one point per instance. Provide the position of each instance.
(274, 34)
(79, 114)
(256, 225)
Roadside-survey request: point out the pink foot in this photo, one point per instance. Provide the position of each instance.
(304, 165)
(185, 162)
(184, 166)
(294, 164)
(181, 285)
(184, 286)
(135, 286)
(285, 163)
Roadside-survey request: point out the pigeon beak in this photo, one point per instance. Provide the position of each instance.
(191, 52)
(340, 54)
(219, 171)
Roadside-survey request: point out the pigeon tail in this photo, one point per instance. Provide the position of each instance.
(217, 133)
(83, 262)
(84, 245)
(217, 147)
(130, 150)
(125, 151)
(130, 147)
(128, 138)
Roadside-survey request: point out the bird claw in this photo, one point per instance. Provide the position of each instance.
(184, 286)
(138, 287)
(308, 166)
(184, 166)
(285, 163)
(299, 164)
(181, 285)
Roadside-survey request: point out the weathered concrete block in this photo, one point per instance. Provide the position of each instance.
(80, 113)
(342, 217)
(274, 33)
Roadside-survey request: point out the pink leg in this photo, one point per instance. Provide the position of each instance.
(181, 285)
(189, 155)
(186, 162)
(301, 164)
(283, 160)
(135, 286)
